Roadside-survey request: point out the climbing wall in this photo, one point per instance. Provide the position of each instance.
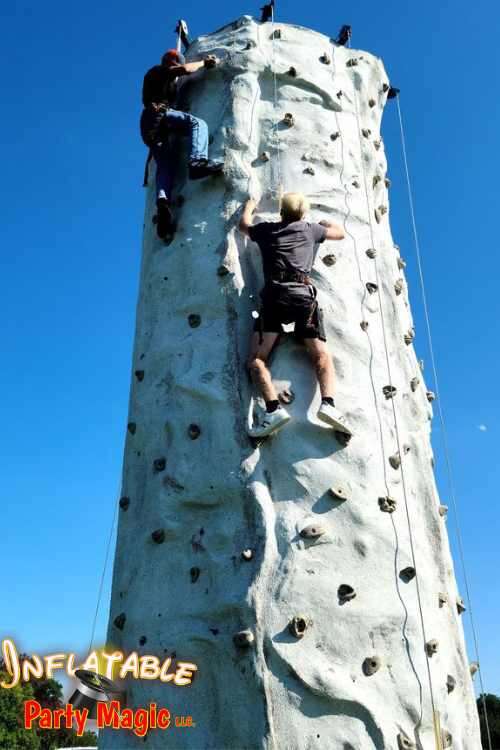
(286, 571)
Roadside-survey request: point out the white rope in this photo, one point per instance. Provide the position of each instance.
(451, 483)
(101, 584)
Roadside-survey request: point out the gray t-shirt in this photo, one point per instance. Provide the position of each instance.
(287, 247)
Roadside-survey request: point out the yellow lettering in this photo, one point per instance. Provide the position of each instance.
(131, 664)
(150, 668)
(11, 660)
(184, 673)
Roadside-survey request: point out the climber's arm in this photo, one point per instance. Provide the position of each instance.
(247, 215)
(334, 231)
(193, 67)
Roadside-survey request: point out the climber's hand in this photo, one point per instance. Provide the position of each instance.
(210, 61)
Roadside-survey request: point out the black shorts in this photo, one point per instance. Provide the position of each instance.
(292, 303)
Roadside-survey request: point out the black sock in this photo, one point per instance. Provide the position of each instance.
(328, 400)
(272, 406)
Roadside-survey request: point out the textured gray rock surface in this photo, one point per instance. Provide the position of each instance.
(218, 495)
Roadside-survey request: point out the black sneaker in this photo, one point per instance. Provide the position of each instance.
(164, 219)
(200, 168)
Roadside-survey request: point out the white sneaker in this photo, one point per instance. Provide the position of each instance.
(270, 423)
(333, 417)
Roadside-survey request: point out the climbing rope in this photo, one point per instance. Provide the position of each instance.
(396, 425)
(451, 483)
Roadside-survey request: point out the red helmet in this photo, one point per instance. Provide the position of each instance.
(172, 57)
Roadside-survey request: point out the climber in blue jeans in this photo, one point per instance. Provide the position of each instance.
(159, 118)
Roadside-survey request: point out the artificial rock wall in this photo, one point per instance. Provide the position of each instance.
(228, 515)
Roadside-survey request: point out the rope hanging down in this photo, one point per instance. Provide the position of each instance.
(451, 483)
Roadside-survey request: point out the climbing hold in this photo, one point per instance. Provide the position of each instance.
(473, 668)
(194, 320)
(385, 87)
(414, 383)
(194, 574)
(325, 58)
(334, 136)
(371, 102)
(338, 492)
(378, 216)
(371, 287)
(407, 574)
(431, 647)
(298, 626)
(313, 531)
(398, 286)
(345, 593)
(139, 374)
(450, 683)
(158, 536)
(401, 263)
(395, 461)
(286, 396)
(443, 510)
(288, 119)
(404, 742)
(119, 621)
(329, 260)
(132, 427)
(247, 554)
(276, 34)
(461, 608)
(366, 132)
(194, 431)
(387, 504)
(124, 503)
(292, 72)
(222, 270)
(264, 156)
(409, 336)
(406, 449)
(377, 144)
(355, 184)
(442, 599)
(371, 665)
(392, 92)
(431, 396)
(309, 170)
(389, 391)
(382, 210)
(364, 325)
(142, 640)
(376, 180)
(352, 62)
(371, 252)
(243, 639)
(387, 182)
(446, 739)
(159, 464)
(340, 94)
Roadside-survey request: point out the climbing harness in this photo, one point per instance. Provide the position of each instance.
(451, 483)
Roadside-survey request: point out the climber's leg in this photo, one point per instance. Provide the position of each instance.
(325, 374)
(275, 417)
(164, 220)
(197, 131)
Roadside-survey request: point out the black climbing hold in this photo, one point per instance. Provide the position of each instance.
(352, 62)
(288, 119)
(431, 396)
(446, 739)
(385, 87)
(366, 132)
(313, 531)
(355, 184)
(124, 503)
(371, 102)
(409, 336)
(395, 461)
(194, 320)
(298, 626)
(414, 383)
(142, 640)
(460, 606)
(342, 437)
(286, 396)
(450, 683)
(371, 287)
(264, 156)
(345, 593)
(276, 34)
(159, 464)
(292, 72)
(132, 427)
(345, 34)
(194, 431)
(119, 621)
(387, 504)
(243, 639)
(432, 647)
(325, 58)
(392, 92)
(158, 536)
(139, 374)
(194, 574)
(442, 599)
(389, 391)
(404, 742)
(364, 325)
(340, 94)
(222, 270)
(371, 665)
(329, 260)
(407, 574)
(334, 136)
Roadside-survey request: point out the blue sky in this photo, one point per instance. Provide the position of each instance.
(72, 205)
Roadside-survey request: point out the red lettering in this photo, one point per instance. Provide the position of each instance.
(163, 718)
(32, 710)
(107, 714)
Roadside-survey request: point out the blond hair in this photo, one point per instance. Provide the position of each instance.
(293, 206)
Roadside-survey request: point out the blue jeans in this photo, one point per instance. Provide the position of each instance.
(183, 124)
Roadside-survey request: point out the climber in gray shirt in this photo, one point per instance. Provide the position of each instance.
(288, 248)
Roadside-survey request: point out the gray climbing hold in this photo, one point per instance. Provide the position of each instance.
(442, 599)
(325, 58)
(352, 62)
(292, 72)
(194, 320)
(286, 396)
(329, 260)
(377, 144)
(473, 668)
(414, 383)
(401, 263)
(298, 626)
(443, 510)
(243, 639)
(309, 170)
(194, 574)
(461, 608)
(222, 270)
(375, 181)
(334, 136)
(124, 503)
(194, 431)
(431, 396)
(387, 504)
(364, 325)
(371, 252)
(378, 216)
(132, 428)
(389, 391)
(139, 374)
(276, 34)
(366, 132)
(404, 742)
(119, 621)
(371, 665)
(345, 593)
(446, 739)
(432, 647)
(382, 210)
(264, 156)
(159, 464)
(158, 536)
(450, 683)
(399, 286)
(395, 461)
(407, 574)
(247, 554)
(371, 287)
(356, 184)
(371, 102)
(338, 492)
(288, 119)
(313, 531)
(409, 336)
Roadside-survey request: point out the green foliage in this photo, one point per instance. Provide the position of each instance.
(13, 736)
(493, 711)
